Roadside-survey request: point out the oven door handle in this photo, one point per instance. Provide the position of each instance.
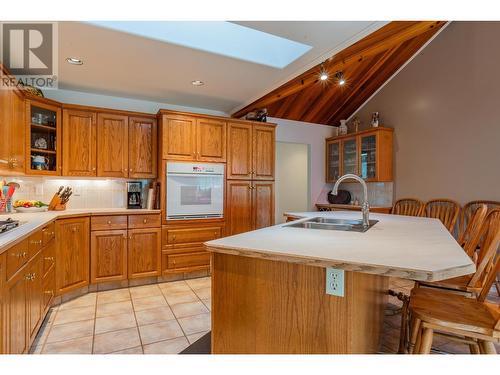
(193, 174)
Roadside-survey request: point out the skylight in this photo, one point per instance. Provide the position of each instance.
(219, 37)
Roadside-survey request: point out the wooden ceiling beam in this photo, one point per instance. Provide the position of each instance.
(392, 35)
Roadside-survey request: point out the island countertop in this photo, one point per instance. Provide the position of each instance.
(414, 248)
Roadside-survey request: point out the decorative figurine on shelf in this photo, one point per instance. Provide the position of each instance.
(39, 162)
(257, 115)
(375, 119)
(356, 122)
(41, 143)
(343, 127)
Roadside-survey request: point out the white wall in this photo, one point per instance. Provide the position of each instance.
(313, 135)
(292, 179)
(115, 102)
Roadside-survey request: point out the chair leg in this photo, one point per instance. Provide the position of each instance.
(487, 347)
(415, 335)
(403, 334)
(426, 344)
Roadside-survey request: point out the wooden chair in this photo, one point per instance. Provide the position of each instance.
(407, 207)
(472, 321)
(470, 208)
(445, 210)
(470, 284)
(467, 211)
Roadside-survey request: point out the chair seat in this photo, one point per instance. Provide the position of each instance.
(459, 283)
(455, 311)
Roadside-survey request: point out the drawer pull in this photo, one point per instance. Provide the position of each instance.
(109, 222)
(39, 242)
(51, 292)
(49, 258)
(173, 237)
(145, 221)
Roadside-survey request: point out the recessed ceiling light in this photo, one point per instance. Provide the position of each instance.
(74, 61)
(340, 78)
(197, 83)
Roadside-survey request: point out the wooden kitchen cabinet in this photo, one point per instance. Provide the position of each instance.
(112, 145)
(108, 256)
(2, 303)
(193, 138)
(368, 154)
(79, 143)
(240, 151)
(34, 296)
(249, 205)
(144, 252)
(12, 125)
(251, 151)
(182, 246)
(43, 137)
(210, 140)
(143, 147)
(263, 204)
(179, 137)
(15, 320)
(72, 254)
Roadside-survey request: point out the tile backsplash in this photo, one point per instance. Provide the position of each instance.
(87, 193)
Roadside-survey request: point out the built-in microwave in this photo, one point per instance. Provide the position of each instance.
(194, 190)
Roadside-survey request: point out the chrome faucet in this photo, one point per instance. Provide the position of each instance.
(365, 207)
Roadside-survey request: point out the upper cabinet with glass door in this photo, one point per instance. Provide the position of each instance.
(367, 154)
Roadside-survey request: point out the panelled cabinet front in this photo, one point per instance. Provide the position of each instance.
(144, 252)
(108, 256)
(179, 141)
(79, 143)
(143, 145)
(112, 145)
(239, 206)
(72, 254)
(240, 151)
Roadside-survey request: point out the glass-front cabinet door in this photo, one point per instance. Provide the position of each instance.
(350, 156)
(333, 161)
(368, 156)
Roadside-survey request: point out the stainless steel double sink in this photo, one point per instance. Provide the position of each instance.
(333, 224)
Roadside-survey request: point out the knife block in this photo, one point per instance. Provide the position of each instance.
(56, 205)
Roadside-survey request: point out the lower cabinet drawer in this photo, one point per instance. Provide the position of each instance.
(187, 260)
(175, 236)
(108, 222)
(17, 256)
(48, 233)
(35, 243)
(144, 221)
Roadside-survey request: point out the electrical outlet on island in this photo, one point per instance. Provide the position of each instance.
(335, 282)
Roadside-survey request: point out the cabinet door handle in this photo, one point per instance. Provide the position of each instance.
(49, 258)
(145, 221)
(109, 222)
(93, 168)
(130, 237)
(130, 170)
(24, 254)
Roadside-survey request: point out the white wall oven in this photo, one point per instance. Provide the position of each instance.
(194, 190)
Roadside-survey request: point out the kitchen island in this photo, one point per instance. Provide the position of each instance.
(269, 285)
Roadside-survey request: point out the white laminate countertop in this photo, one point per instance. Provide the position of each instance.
(414, 248)
(33, 221)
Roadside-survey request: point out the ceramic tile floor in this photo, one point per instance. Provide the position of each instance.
(162, 319)
(151, 319)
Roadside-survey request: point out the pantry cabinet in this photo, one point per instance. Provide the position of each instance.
(34, 295)
(249, 205)
(72, 254)
(251, 152)
(108, 256)
(192, 138)
(144, 252)
(367, 154)
(143, 146)
(79, 143)
(112, 145)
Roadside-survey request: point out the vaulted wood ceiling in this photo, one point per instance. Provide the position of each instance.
(366, 65)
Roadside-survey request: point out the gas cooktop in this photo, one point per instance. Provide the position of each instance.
(8, 224)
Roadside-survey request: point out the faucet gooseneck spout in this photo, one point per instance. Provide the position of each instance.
(365, 207)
